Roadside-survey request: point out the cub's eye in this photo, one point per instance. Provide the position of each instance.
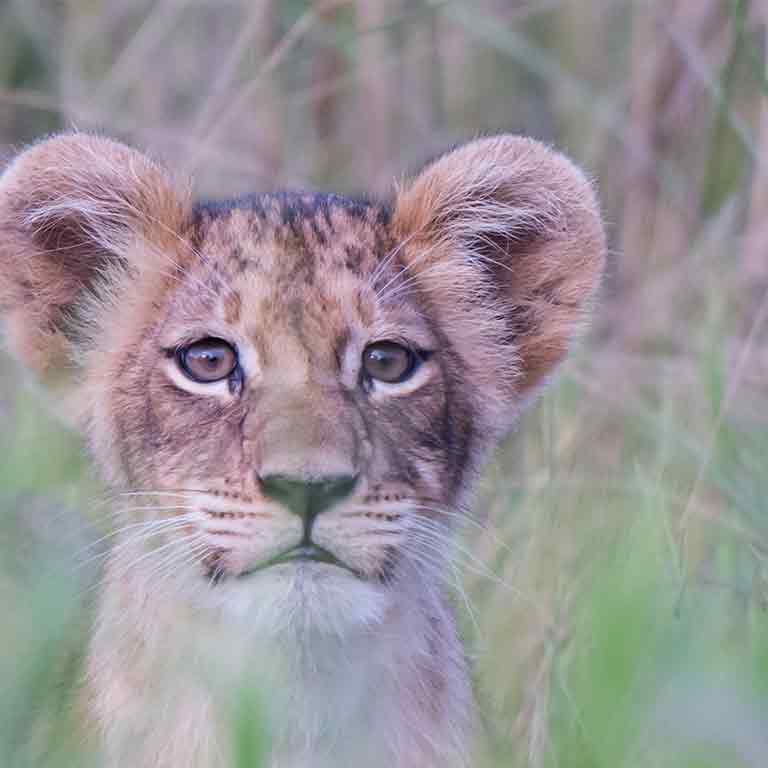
(207, 360)
(389, 362)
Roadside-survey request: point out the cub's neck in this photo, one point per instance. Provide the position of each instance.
(167, 673)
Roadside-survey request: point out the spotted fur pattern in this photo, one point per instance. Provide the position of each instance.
(484, 264)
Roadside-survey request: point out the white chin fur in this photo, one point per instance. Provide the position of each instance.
(309, 597)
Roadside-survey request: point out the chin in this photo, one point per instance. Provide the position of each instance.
(294, 599)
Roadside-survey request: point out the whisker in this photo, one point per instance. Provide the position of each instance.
(188, 555)
(465, 599)
(469, 563)
(170, 560)
(428, 527)
(386, 261)
(141, 524)
(160, 492)
(154, 552)
(381, 294)
(410, 280)
(127, 512)
(135, 539)
(465, 516)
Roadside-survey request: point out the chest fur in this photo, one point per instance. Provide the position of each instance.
(168, 685)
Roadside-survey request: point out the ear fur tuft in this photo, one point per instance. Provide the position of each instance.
(76, 211)
(506, 238)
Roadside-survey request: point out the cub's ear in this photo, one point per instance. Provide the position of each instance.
(78, 214)
(506, 241)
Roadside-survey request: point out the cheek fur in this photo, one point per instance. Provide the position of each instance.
(419, 436)
(163, 430)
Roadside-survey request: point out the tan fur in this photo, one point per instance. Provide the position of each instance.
(486, 261)
(529, 217)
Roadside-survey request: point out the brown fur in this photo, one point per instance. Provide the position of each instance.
(487, 260)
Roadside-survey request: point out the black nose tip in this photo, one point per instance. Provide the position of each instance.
(307, 498)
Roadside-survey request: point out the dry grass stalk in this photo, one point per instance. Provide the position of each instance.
(456, 61)
(666, 98)
(377, 94)
(419, 78)
(328, 68)
(755, 253)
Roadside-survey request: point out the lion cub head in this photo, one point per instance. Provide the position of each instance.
(303, 385)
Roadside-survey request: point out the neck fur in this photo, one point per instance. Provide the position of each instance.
(168, 671)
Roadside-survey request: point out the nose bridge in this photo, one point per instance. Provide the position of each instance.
(307, 434)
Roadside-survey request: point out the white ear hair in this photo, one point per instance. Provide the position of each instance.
(506, 238)
(71, 207)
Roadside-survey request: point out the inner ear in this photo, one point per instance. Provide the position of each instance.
(506, 237)
(78, 214)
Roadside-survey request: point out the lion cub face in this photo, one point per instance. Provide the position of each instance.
(294, 392)
(298, 388)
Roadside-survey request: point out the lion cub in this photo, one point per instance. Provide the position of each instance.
(291, 396)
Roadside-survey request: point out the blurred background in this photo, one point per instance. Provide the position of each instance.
(613, 587)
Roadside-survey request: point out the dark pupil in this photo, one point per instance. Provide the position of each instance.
(387, 363)
(210, 358)
(209, 362)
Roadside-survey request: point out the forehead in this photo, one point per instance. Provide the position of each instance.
(292, 245)
(293, 239)
(297, 264)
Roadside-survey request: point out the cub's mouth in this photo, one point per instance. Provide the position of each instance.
(303, 553)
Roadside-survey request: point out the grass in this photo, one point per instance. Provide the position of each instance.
(614, 590)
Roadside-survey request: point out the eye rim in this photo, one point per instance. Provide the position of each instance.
(182, 352)
(415, 359)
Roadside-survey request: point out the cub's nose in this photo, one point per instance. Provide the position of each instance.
(307, 498)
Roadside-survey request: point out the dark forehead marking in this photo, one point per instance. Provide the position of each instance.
(319, 231)
(353, 258)
(241, 262)
(383, 215)
(295, 205)
(302, 222)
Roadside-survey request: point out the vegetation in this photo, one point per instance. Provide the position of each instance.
(613, 586)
